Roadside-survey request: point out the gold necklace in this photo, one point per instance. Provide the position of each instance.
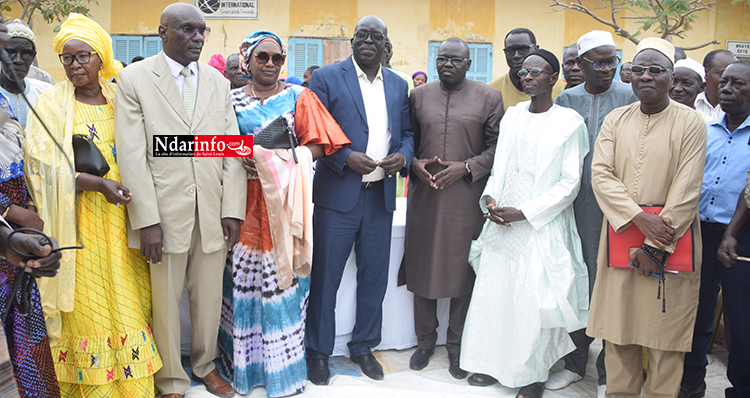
(252, 89)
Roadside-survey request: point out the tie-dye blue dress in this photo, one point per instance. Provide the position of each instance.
(262, 333)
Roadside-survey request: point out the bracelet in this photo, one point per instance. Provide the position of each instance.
(5, 213)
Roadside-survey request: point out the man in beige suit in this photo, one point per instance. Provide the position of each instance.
(185, 211)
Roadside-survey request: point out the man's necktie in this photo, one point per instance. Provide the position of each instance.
(188, 93)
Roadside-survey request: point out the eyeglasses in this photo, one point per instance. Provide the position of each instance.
(601, 63)
(26, 54)
(454, 61)
(652, 70)
(262, 57)
(190, 30)
(83, 57)
(533, 71)
(523, 50)
(362, 35)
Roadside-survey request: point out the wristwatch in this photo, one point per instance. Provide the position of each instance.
(468, 169)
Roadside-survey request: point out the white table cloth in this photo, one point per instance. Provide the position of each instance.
(398, 305)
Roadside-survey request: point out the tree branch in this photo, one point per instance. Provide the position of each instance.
(708, 43)
(581, 8)
(669, 18)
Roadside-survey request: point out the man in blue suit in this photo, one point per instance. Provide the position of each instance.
(354, 192)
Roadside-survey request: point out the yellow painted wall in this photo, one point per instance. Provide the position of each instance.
(412, 25)
(532, 14)
(323, 18)
(139, 17)
(471, 20)
(408, 28)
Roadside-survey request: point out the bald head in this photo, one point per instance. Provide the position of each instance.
(371, 20)
(176, 21)
(455, 42)
(368, 43)
(177, 11)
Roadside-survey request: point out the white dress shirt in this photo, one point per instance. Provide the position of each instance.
(176, 69)
(702, 104)
(379, 134)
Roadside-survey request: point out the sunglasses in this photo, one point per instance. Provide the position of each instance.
(454, 61)
(652, 70)
(533, 71)
(511, 51)
(262, 57)
(362, 35)
(82, 57)
(600, 64)
(25, 53)
(190, 30)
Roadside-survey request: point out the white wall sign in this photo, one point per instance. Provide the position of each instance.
(739, 48)
(228, 9)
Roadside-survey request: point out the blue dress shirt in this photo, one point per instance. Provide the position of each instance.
(727, 165)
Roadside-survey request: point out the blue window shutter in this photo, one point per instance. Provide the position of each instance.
(304, 53)
(431, 55)
(151, 46)
(481, 62)
(120, 46)
(127, 47)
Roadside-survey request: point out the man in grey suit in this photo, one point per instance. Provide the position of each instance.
(185, 211)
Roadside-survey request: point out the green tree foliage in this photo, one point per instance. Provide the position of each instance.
(50, 10)
(666, 18)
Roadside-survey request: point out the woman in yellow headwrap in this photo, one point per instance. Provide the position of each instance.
(98, 309)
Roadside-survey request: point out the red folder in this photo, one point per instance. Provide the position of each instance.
(621, 243)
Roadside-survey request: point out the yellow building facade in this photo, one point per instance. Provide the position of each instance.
(412, 26)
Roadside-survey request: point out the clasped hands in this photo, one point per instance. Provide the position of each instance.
(502, 215)
(452, 172)
(363, 164)
(658, 230)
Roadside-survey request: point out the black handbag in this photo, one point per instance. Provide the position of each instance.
(277, 135)
(88, 158)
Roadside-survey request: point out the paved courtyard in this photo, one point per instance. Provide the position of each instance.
(435, 381)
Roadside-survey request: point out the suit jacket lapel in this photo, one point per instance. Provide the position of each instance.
(352, 82)
(205, 82)
(168, 88)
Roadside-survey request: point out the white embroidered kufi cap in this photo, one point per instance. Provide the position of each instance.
(657, 44)
(594, 39)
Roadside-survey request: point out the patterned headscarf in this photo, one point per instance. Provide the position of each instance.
(250, 42)
(78, 27)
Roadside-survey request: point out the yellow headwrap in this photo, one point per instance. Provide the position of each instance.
(78, 27)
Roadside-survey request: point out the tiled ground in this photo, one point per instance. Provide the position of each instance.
(435, 382)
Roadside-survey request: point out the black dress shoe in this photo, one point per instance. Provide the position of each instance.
(454, 369)
(317, 371)
(690, 390)
(420, 359)
(369, 365)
